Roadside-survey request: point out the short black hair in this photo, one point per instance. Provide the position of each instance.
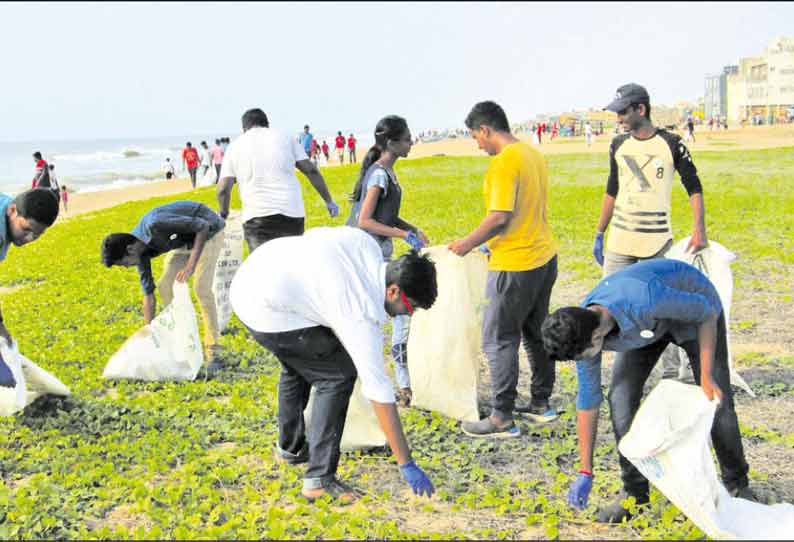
(568, 332)
(255, 117)
(39, 204)
(37, 155)
(114, 247)
(188, 144)
(490, 114)
(416, 276)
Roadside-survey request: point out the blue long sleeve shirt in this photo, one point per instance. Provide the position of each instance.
(170, 227)
(648, 300)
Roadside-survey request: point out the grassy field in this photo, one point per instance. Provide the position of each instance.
(193, 460)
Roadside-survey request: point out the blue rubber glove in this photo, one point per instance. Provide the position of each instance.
(333, 209)
(485, 250)
(6, 376)
(417, 479)
(414, 241)
(598, 249)
(580, 491)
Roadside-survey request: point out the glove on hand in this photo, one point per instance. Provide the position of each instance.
(414, 241)
(485, 250)
(417, 479)
(580, 491)
(333, 209)
(598, 249)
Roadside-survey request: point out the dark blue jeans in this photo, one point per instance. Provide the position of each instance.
(629, 373)
(312, 357)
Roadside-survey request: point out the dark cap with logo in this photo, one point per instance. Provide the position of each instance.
(627, 95)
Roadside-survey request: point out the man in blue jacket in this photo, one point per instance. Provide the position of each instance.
(637, 312)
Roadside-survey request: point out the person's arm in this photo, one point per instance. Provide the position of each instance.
(588, 401)
(492, 225)
(390, 423)
(698, 241)
(682, 161)
(308, 168)
(369, 224)
(195, 253)
(403, 225)
(707, 341)
(149, 307)
(224, 195)
(607, 210)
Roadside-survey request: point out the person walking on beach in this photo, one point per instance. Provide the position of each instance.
(190, 161)
(340, 147)
(522, 270)
(638, 311)
(217, 153)
(41, 178)
(690, 129)
(540, 133)
(325, 152)
(54, 186)
(588, 134)
(351, 149)
(205, 159)
(377, 197)
(192, 235)
(305, 139)
(263, 162)
(325, 328)
(169, 169)
(65, 198)
(25, 218)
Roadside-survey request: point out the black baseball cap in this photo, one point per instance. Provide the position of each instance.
(626, 95)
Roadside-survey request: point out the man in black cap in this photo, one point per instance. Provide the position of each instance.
(641, 167)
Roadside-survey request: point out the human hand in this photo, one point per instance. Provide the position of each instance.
(710, 388)
(598, 248)
(697, 242)
(414, 241)
(579, 493)
(485, 250)
(460, 247)
(417, 479)
(333, 209)
(423, 237)
(185, 273)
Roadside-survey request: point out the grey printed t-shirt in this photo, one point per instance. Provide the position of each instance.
(377, 176)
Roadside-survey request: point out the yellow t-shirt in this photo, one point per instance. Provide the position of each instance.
(517, 180)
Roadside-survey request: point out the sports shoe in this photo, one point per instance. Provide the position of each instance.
(216, 362)
(487, 428)
(283, 456)
(616, 513)
(338, 491)
(743, 493)
(541, 413)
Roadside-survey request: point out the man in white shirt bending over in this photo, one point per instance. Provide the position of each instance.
(318, 302)
(263, 162)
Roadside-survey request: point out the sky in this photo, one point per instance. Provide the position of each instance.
(115, 70)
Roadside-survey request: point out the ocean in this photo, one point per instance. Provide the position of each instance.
(105, 164)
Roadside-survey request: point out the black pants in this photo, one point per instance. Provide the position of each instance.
(217, 173)
(192, 171)
(262, 229)
(518, 302)
(312, 357)
(629, 373)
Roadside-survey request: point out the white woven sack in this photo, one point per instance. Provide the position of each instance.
(167, 349)
(714, 261)
(669, 443)
(229, 261)
(31, 382)
(444, 343)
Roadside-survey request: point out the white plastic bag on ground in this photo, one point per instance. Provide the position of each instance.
(362, 430)
(167, 349)
(228, 263)
(208, 179)
(714, 261)
(669, 444)
(31, 382)
(444, 342)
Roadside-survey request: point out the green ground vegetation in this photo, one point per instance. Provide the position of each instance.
(193, 460)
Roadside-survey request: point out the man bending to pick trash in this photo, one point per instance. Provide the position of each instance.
(24, 219)
(192, 234)
(318, 303)
(639, 310)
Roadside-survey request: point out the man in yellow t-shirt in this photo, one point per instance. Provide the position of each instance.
(521, 271)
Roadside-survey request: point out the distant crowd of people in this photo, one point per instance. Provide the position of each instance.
(44, 177)
(317, 152)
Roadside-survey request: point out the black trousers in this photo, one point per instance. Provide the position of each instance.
(261, 229)
(629, 373)
(312, 357)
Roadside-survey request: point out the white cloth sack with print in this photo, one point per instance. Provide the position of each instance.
(31, 382)
(714, 261)
(669, 443)
(167, 349)
(362, 430)
(208, 179)
(229, 261)
(444, 343)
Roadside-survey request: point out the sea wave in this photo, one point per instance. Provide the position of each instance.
(106, 156)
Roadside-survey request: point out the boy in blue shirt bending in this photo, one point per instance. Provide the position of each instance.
(637, 312)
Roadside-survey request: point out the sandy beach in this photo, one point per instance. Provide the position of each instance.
(750, 137)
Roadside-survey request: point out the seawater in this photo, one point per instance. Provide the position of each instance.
(104, 164)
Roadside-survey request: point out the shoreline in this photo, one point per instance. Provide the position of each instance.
(735, 139)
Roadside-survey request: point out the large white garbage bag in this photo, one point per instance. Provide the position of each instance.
(228, 263)
(362, 430)
(208, 178)
(31, 381)
(444, 343)
(669, 444)
(167, 349)
(714, 261)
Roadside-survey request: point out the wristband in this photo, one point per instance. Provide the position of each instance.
(586, 472)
